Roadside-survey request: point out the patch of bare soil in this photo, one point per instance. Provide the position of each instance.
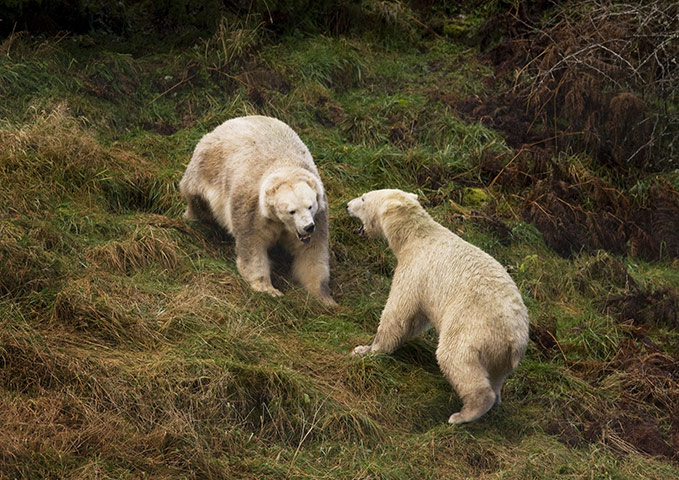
(543, 335)
(261, 82)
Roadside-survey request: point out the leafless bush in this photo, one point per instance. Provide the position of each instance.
(607, 72)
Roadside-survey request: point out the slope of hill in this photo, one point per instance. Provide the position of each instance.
(131, 348)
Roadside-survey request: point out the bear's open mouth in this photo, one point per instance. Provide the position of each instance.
(361, 230)
(306, 238)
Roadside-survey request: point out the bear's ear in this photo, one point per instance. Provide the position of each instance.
(412, 195)
(390, 204)
(266, 192)
(317, 187)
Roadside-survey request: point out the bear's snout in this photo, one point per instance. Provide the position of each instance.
(310, 228)
(348, 208)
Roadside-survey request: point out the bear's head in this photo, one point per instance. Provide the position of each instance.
(292, 197)
(370, 208)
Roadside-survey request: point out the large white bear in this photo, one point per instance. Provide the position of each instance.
(256, 178)
(443, 281)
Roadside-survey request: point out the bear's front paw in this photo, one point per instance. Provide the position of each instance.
(274, 292)
(361, 350)
(259, 287)
(456, 418)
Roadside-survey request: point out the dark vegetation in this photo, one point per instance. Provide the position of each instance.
(544, 132)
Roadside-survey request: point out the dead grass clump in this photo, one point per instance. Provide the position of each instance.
(367, 377)
(649, 380)
(276, 403)
(214, 299)
(231, 46)
(349, 426)
(654, 232)
(607, 279)
(603, 275)
(51, 155)
(144, 248)
(638, 406)
(112, 77)
(132, 183)
(105, 310)
(53, 430)
(30, 362)
(632, 435)
(516, 170)
(593, 75)
(121, 406)
(553, 209)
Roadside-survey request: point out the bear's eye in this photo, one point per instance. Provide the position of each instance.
(291, 212)
(309, 207)
(362, 199)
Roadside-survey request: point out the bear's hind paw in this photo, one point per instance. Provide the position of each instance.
(327, 301)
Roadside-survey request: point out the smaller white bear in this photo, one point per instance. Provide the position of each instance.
(443, 281)
(256, 178)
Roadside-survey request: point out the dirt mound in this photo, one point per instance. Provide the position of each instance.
(659, 308)
(576, 214)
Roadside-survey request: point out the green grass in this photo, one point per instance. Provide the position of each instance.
(131, 348)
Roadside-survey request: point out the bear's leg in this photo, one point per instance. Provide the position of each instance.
(253, 264)
(400, 320)
(310, 268)
(198, 209)
(191, 207)
(470, 380)
(496, 385)
(476, 403)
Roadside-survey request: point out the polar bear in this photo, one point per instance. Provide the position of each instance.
(443, 281)
(256, 178)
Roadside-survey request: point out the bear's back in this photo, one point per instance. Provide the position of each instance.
(255, 144)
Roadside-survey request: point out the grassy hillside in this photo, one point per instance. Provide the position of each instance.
(131, 348)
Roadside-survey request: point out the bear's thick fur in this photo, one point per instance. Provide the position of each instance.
(256, 178)
(443, 281)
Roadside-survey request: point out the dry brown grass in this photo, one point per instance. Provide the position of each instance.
(51, 153)
(143, 248)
